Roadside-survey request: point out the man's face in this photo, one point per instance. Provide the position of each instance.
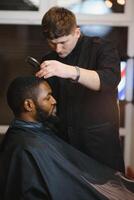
(46, 104)
(65, 44)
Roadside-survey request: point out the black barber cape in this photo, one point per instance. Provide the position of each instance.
(37, 165)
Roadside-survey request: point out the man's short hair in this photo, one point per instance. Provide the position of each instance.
(22, 88)
(58, 22)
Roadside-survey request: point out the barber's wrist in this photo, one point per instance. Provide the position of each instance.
(76, 74)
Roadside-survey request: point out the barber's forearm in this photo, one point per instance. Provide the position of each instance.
(89, 79)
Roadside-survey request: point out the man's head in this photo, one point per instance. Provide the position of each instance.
(60, 29)
(30, 98)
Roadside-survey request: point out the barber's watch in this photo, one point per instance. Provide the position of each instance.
(78, 74)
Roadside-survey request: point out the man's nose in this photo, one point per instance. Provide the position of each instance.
(53, 101)
(58, 48)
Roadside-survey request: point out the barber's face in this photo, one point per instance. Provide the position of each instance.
(46, 104)
(65, 44)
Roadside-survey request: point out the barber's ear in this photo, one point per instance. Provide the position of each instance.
(77, 32)
(29, 105)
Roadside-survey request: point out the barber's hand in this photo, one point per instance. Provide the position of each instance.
(51, 68)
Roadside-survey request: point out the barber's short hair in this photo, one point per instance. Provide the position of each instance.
(58, 22)
(22, 88)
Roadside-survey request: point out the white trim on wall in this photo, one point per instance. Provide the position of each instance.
(3, 129)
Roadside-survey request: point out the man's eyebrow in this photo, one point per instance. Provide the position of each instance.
(50, 41)
(49, 91)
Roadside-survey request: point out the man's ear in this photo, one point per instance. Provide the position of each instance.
(77, 32)
(29, 105)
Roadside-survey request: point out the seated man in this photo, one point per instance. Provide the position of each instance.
(36, 165)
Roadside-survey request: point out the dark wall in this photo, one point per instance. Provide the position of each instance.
(16, 43)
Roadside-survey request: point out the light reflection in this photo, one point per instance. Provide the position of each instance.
(121, 2)
(97, 7)
(108, 3)
(95, 30)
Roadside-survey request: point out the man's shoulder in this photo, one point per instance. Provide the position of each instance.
(91, 43)
(96, 40)
(23, 139)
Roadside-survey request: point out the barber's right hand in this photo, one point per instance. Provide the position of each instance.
(50, 68)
